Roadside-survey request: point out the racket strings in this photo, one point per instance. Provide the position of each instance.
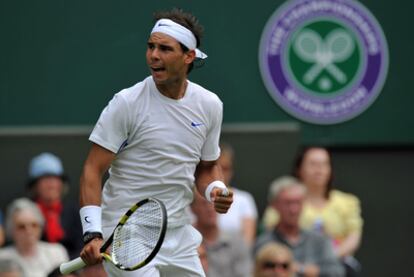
(135, 240)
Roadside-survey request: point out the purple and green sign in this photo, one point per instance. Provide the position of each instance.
(323, 61)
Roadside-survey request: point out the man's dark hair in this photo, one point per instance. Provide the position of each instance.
(185, 19)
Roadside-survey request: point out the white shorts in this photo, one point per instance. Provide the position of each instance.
(178, 257)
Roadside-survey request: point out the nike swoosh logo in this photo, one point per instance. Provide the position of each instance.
(194, 124)
(163, 24)
(87, 219)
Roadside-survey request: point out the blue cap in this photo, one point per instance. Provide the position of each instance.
(45, 164)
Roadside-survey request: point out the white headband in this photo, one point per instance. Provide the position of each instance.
(180, 33)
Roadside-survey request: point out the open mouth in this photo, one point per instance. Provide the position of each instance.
(157, 69)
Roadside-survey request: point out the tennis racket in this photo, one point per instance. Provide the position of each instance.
(135, 240)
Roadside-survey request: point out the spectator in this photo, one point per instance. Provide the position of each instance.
(274, 260)
(48, 185)
(10, 268)
(241, 218)
(24, 223)
(228, 255)
(312, 252)
(327, 210)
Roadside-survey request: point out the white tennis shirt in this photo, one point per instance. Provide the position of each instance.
(159, 141)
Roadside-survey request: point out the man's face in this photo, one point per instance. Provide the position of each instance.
(166, 59)
(315, 170)
(289, 204)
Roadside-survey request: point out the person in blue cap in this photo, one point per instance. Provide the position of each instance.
(48, 184)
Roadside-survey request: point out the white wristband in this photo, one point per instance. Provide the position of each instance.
(215, 184)
(91, 218)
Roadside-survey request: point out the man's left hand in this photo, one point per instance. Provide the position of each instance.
(220, 200)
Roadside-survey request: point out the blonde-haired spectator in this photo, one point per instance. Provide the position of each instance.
(24, 223)
(274, 260)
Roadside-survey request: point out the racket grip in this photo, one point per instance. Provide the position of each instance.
(72, 266)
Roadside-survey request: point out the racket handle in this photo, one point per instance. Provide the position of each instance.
(72, 266)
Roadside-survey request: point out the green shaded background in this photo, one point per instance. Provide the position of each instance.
(63, 60)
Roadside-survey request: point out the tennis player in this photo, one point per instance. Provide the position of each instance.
(159, 138)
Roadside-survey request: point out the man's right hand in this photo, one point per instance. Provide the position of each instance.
(90, 253)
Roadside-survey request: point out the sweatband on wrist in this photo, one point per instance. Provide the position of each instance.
(211, 186)
(91, 218)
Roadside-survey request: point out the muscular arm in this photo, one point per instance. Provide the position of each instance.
(207, 172)
(97, 163)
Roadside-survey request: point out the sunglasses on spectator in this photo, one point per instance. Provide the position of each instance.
(273, 265)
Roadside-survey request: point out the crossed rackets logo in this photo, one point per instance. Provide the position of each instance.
(323, 61)
(323, 54)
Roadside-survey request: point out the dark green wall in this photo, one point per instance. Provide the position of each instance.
(63, 60)
(382, 179)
